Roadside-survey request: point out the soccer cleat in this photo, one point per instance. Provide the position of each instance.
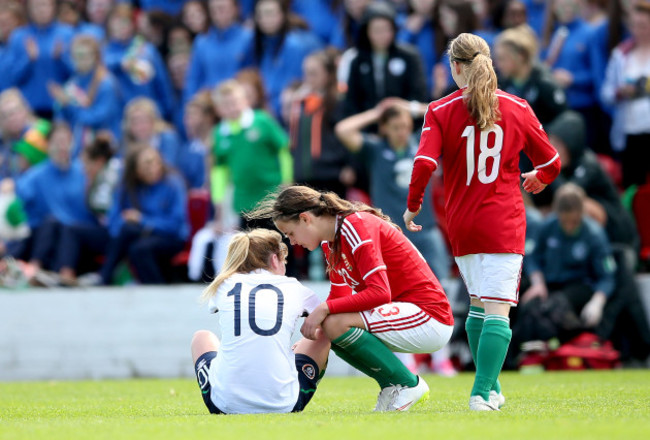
(497, 400)
(477, 403)
(406, 397)
(386, 396)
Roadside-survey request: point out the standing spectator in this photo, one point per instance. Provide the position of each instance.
(521, 75)
(148, 218)
(319, 158)
(382, 68)
(24, 136)
(143, 125)
(137, 65)
(346, 33)
(242, 134)
(38, 54)
(627, 87)
(71, 13)
(321, 15)
(89, 100)
(218, 54)
(422, 30)
(485, 210)
(569, 51)
(194, 155)
(12, 16)
(278, 48)
(389, 158)
(195, 16)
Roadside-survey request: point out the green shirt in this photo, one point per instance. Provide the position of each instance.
(250, 148)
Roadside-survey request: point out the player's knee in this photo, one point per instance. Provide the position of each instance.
(334, 326)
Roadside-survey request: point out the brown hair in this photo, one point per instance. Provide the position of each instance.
(252, 76)
(480, 95)
(569, 198)
(287, 203)
(248, 251)
(520, 39)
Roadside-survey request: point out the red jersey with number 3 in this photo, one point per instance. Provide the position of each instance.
(379, 265)
(485, 209)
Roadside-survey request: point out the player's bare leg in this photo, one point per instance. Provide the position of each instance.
(318, 350)
(202, 342)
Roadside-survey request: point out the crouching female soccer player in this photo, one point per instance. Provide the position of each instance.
(253, 368)
(398, 303)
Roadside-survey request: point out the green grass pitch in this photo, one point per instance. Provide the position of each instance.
(576, 405)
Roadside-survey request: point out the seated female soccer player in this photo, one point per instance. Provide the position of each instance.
(253, 369)
(398, 303)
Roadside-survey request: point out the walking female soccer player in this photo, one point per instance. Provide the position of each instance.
(399, 304)
(253, 369)
(480, 132)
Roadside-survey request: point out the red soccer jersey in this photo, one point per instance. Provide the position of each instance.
(381, 265)
(485, 210)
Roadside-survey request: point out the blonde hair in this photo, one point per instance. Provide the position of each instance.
(228, 87)
(248, 251)
(480, 95)
(149, 107)
(15, 93)
(520, 39)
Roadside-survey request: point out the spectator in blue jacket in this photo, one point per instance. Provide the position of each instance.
(346, 33)
(55, 192)
(194, 157)
(572, 257)
(195, 17)
(172, 7)
(536, 12)
(143, 125)
(97, 12)
(12, 16)
(148, 219)
(38, 54)
(278, 48)
(569, 51)
(220, 53)
(321, 15)
(71, 13)
(88, 101)
(135, 63)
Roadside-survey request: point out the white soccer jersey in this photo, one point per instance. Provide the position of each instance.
(255, 370)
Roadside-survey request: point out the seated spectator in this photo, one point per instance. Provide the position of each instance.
(12, 16)
(220, 53)
(195, 17)
(38, 54)
(71, 13)
(382, 67)
(572, 268)
(148, 219)
(242, 134)
(194, 157)
(56, 188)
(143, 125)
(319, 159)
(278, 48)
(389, 159)
(88, 101)
(24, 137)
(135, 63)
(519, 72)
(627, 88)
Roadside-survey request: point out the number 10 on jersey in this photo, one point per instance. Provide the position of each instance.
(493, 151)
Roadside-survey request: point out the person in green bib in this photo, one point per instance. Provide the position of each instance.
(250, 150)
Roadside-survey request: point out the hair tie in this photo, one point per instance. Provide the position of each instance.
(475, 53)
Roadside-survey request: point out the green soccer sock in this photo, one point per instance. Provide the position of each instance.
(473, 328)
(369, 355)
(492, 349)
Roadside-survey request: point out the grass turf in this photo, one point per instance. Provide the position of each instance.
(583, 405)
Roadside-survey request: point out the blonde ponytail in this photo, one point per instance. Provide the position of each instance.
(480, 95)
(247, 251)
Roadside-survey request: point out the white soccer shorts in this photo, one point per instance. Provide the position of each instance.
(492, 277)
(406, 328)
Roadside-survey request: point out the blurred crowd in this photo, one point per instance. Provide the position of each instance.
(136, 134)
